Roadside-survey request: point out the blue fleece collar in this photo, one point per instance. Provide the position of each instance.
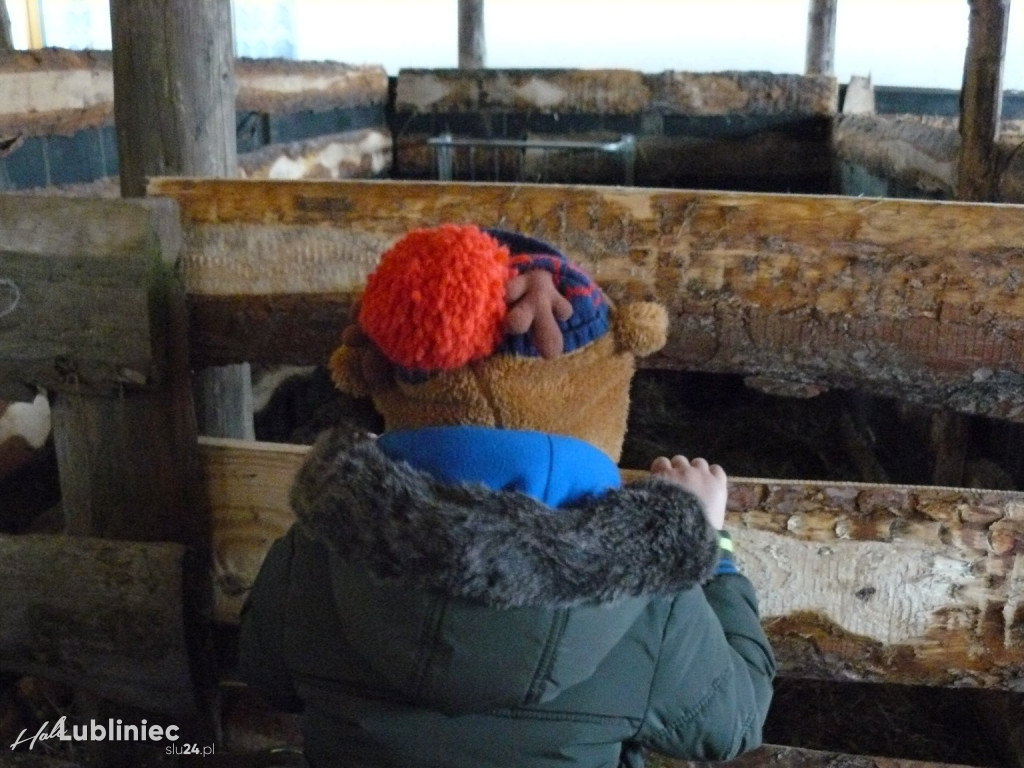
(554, 469)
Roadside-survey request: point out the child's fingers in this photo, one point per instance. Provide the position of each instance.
(661, 464)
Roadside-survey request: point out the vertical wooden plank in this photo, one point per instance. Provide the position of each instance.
(129, 470)
(981, 98)
(129, 462)
(174, 108)
(174, 90)
(472, 45)
(821, 37)
(224, 401)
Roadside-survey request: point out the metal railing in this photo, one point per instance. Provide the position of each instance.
(445, 144)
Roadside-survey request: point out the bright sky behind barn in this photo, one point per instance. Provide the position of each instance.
(898, 42)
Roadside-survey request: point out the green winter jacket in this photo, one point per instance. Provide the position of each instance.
(418, 623)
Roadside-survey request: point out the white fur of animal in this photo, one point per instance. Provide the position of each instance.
(24, 429)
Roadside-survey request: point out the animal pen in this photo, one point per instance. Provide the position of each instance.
(112, 305)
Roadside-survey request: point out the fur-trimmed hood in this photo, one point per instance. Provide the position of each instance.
(499, 548)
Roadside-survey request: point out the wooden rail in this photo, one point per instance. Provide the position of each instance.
(865, 582)
(906, 584)
(914, 300)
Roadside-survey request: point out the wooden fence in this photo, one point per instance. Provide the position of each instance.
(910, 299)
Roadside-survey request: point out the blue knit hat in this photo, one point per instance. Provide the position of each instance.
(589, 318)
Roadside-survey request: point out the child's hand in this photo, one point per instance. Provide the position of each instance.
(707, 483)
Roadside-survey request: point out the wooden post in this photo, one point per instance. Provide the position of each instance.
(472, 49)
(821, 37)
(6, 38)
(981, 99)
(174, 90)
(96, 316)
(174, 108)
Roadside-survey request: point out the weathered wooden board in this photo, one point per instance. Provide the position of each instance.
(247, 484)
(920, 152)
(277, 86)
(56, 91)
(899, 584)
(917, 151)
(615, 91)
(353, 154)
(107, 616)
(915, 300)
(77, 281)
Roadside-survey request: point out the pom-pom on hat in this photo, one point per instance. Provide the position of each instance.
(437, 299)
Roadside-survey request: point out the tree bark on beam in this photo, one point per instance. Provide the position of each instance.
(916, 151)
(914, 300)
(922, 153)
(615, 92)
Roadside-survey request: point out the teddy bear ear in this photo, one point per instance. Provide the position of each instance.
(640, 327)
(346, 370)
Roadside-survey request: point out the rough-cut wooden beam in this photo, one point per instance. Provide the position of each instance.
(920, 152)
(981, 98)
(106, 616)
(821, 37)
(615, 91)
(868, 582)
(917, 151)
(278, 86)
(56, 91)
(915, 300)
(77, 281)
(353, 154)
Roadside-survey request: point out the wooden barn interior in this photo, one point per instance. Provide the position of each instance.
(183, 231)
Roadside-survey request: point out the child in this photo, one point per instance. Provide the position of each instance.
(475, 587)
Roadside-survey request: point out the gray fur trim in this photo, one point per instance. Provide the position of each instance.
(501, 548)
